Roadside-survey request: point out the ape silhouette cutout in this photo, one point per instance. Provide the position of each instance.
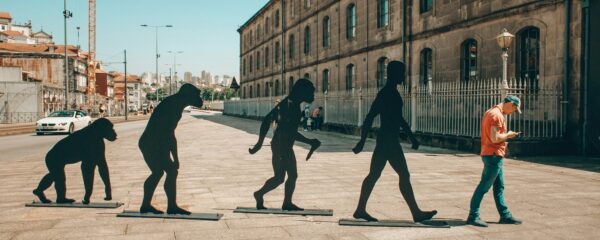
(158, 143)
(85, 146)
(388, 104)
(288, 116)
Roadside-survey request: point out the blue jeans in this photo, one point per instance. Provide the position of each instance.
(492, 175)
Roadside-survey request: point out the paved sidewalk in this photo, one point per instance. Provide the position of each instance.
(217, 174)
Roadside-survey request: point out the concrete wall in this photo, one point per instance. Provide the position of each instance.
(11, 74)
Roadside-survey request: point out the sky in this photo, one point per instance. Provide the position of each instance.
(205, 30)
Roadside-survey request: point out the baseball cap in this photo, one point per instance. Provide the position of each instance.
(515, 100)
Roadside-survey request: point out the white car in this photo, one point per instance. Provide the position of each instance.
(63, 122)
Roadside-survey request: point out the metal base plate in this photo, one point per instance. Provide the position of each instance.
(76, 205)
(193, 216)
(305, 212)
(394, 223)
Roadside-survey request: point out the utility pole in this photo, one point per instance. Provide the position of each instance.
(66, 14)
(170, 86)
(125, 89)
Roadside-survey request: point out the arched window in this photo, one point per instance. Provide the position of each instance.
(251, 63)
(243, 92)
(258, 33)
(290, 84)
(277, 50)
(351, 22)
(468, 62)
(258, 90)
(426, 66)
(276, 19)
(306, 40)
(267, 57)
(350, 72)
(381, 71)
(528, 56)
(244, 67)
(257, 60)
(325, 87)
(326, 31)
(267, 23)
(292, 47)
(250, 92)
(425, 5)
(382, 13)
(307, 75)
(267, 93)
(276, 93)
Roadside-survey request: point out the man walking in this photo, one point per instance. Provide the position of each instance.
(493, 148)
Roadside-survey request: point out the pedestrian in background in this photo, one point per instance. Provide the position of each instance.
(316, 117)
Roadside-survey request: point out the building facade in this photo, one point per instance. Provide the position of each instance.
(344, 45)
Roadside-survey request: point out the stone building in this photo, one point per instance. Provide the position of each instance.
(344, 45)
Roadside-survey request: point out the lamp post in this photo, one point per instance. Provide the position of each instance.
(504, 40)
(156, 27)
(67, 14)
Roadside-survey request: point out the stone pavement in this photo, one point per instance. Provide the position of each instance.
(217, 174)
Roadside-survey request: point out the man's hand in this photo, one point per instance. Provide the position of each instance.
(315, 143)
(255, 148)
(359, 147)
(512, 134)
(176, 164)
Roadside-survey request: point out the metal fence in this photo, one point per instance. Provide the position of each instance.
(454, 109)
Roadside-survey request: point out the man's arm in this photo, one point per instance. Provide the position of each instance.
(411, 136)
(264, 128)
(368, 123)
(497, 137)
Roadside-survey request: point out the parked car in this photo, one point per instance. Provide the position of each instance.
(63, 122)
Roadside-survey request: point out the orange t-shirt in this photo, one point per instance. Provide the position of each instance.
(492, 117)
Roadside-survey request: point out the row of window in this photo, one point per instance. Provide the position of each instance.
(382, 21)
(527, 65)
(527, 59)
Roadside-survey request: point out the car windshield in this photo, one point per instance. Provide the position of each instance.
(62, 114)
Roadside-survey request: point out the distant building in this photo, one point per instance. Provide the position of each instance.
(21, 33)
(187, 77)
(46, 63)
(134, 92)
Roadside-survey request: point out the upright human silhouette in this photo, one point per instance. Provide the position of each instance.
(158, 143)
(85, 146)
(288, 115)
(388, 104)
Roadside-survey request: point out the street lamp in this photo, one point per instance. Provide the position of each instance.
(156, 27)
(504, 40)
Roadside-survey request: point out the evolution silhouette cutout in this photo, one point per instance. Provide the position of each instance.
(388, 105)
(158, 144)
(85, 146)
(288, 116)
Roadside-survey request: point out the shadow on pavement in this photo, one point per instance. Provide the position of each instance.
(574, 162)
